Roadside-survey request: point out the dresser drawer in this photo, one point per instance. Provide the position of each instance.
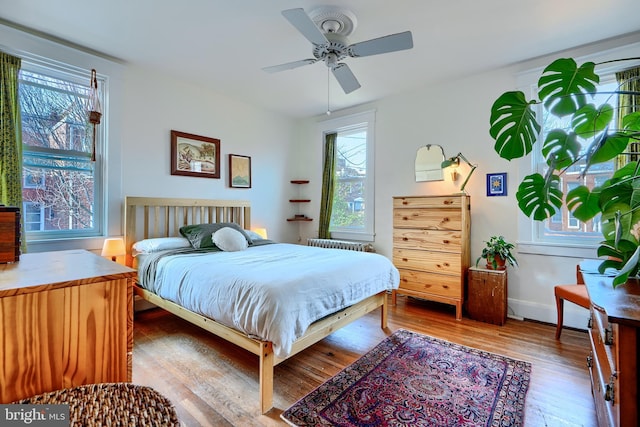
(430, 240)
(454, 202)
(437, 219)
(605, 339)
(432, 262)
(430, 283)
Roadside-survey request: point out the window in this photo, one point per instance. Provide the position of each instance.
(353, 207)
(569, 228)
(62, 192)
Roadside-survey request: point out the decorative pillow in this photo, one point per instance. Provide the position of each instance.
(200, 235)
(253, 235)
(149, 246)
(229, 240)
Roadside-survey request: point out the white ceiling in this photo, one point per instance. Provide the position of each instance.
(223, 44)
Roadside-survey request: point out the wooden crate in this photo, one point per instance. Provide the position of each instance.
(487, 295)
(9, 234)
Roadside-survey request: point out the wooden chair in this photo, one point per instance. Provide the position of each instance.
(575, 293)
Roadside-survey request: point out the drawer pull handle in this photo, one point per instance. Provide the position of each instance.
(589, 362)
(608, 336)
(590, 323)
(405, 218)
(608, 391)
(405, 239)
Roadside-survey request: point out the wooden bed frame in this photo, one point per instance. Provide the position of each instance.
(163, 217)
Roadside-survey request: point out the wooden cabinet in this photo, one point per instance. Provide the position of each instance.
(615, 349)
(299, 216)
(9, 234)
(431, 247)
(487, 295)
(67, 320)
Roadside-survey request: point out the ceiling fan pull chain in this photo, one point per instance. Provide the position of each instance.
(328, 79)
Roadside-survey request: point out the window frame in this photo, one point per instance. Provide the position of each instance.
(349, 123)
(54, 69)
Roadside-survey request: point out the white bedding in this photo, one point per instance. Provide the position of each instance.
(272, 292)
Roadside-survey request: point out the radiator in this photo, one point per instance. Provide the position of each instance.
(341, 244)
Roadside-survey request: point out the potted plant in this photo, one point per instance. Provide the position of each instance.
(566, 90)
(497, 252)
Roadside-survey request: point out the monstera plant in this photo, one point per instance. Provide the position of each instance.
(566, 90)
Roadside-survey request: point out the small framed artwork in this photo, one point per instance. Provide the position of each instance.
(239, 171)
(194, 155)
(496, 184)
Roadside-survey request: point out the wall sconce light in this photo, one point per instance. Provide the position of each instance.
(95, 109)
(113, 247)
(261, 231)
(454, 162)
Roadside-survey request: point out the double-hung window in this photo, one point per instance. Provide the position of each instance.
(352, 213)
(563, 234)
(62, 187)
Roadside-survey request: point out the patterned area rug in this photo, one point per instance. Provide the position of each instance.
(411, 379)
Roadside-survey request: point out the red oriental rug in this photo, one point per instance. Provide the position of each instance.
(411, 379)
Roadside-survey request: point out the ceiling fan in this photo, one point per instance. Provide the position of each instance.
(327, 29)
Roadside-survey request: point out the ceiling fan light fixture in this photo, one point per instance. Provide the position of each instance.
(333, 19)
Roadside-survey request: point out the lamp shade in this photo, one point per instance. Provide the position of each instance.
(113, 247)
(261, 231)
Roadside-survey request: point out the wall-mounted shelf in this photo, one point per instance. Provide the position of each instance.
(299, 217)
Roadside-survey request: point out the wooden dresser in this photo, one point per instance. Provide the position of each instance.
(66, 319)
(431, 247)
(615, 350)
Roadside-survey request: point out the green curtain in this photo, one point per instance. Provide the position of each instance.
(10, 136)
(628, 81)
(326, 200)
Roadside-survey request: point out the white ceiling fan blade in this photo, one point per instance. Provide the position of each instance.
(390, 43)
(299, 19)
(345, 77)
(289, 65)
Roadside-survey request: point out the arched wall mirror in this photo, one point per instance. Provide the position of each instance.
(429, 163)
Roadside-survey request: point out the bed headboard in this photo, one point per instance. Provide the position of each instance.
(149, 217)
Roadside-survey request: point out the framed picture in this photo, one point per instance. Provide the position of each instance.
(194, 155)
(496, 184)
(239, 171)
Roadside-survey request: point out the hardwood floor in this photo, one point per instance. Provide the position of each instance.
(213, 383)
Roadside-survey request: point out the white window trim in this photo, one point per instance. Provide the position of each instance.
(342, 124)
(526, 82)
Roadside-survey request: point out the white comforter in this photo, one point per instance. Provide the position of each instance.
(272, 292)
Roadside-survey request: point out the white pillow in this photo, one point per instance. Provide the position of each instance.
(149, 246)
(229, 240)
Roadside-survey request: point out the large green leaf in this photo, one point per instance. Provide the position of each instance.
(513, 125)
(631, 121)
(619, 188)
(564, 88)
(608, 147)
(584, 204)
(616, 223)
(589, 120)
(538, 198)
(560, 149)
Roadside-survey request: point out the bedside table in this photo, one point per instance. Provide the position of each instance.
(487, 295)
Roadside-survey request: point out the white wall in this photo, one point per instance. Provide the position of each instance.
(455, 115)
(155, 104)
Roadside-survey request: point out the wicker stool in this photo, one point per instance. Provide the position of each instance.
(112, 404)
